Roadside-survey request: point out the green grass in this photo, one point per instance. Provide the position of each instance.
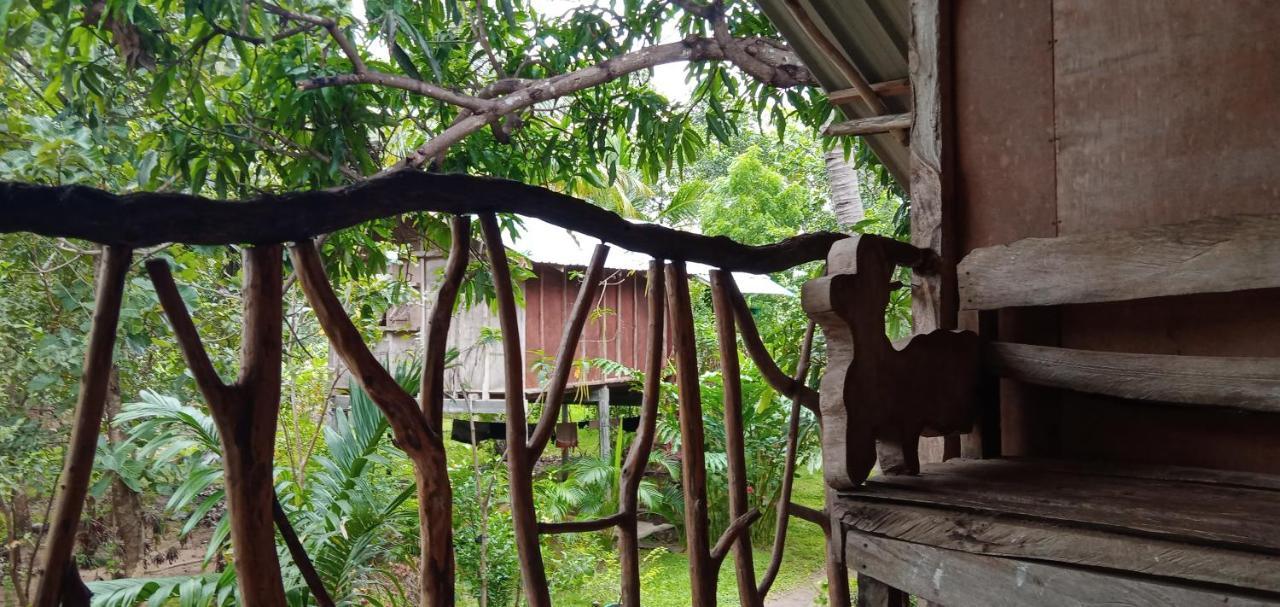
(665, 576)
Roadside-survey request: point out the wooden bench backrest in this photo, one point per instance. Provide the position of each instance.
(1214, 255)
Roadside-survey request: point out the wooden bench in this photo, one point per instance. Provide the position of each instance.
(991, 531)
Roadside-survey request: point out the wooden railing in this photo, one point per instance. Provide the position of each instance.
(246, 409)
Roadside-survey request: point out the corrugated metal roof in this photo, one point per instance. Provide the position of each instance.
(869, 35)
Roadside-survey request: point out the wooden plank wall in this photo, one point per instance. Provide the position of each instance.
(615, 330)
(1075, 116)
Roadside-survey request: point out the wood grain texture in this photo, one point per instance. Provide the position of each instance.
(1165, 111)
(997, 534)
(958, 579)
(150, 218)
(77, 468)
(888, 88)
(1213, 255)
(871, 394)
(1235, 382)
(931, 188)
(1232, 517)
(869, 126)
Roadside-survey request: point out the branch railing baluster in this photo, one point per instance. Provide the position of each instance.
(90, 406)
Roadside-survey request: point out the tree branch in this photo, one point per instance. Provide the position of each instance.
(405, 83)
(739, 526)
(148, 218)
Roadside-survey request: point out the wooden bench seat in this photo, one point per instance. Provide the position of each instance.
(986, 530)
(1150, 520)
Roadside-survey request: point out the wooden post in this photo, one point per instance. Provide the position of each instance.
(602, 410)
(934, 299)
(638, 458)
(436, 329)
(524, 517)
(702, 574)
(409, 425)
(731, 382)
(78, 466)
(245, 413)
(874, 593)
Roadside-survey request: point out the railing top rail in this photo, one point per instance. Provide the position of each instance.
(151, 218)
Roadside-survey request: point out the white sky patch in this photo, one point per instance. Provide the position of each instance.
(668, 79)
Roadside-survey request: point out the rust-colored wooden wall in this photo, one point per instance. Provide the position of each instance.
(615, 329)
(1076, 116)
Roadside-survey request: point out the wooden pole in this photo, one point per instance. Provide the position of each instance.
(735, 440)
(789, 469)
(568, 347)
(78, 466)
(638, 457)
(409, 426)
(437, 325)
(245, 413)
(519, 463)
(702, 572)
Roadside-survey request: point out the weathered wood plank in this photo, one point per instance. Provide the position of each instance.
(1239, 518)
(1208, 476)
(933, 299)
(959, 579)
(1214, 255)
(888, 88)
(872, 125)
(1236, 382)
(1028, 538)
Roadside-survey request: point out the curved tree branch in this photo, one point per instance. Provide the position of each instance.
(150, 218)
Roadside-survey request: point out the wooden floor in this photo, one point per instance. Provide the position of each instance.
(1160, 535)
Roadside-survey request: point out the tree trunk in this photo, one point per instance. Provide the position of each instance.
(126, 507)
(846, 199)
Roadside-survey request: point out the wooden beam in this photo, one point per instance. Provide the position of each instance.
(933, 298)
(735, 434)
(550, 527)
(150, 218)
(1005, 582)
(1237, 382)
(638, 458)
(873, 125)
(569, 337)
(888, 88)
(791, 387)
(77, 468)
(524, 515)
(875, 106)
(1211, 255)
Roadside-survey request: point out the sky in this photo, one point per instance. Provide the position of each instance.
(668, 79)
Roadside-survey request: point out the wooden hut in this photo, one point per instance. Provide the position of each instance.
(1096, 183)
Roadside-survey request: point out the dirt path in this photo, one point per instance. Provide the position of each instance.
(800, 596)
